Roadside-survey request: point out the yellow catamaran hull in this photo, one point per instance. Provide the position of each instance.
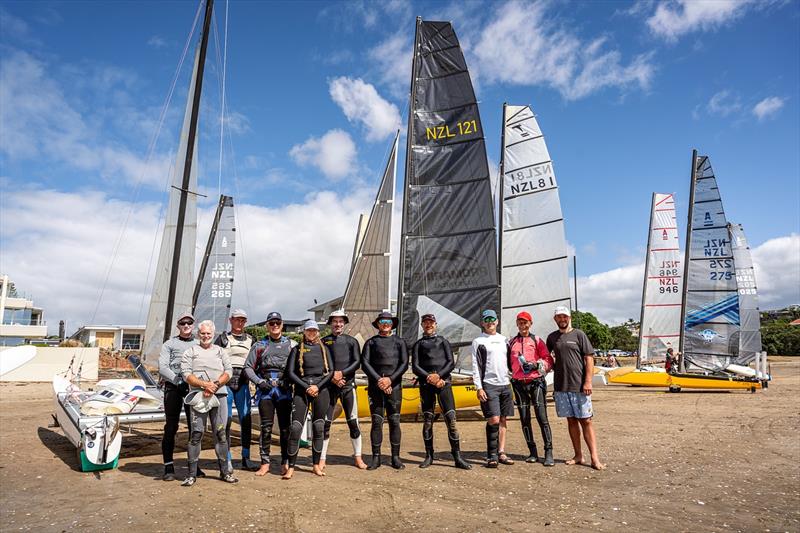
(465, 396)
(639, 378)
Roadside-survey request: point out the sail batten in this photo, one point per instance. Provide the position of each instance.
(448, 263)
(534, 258)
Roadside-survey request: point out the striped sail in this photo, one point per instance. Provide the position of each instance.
(448, 261)
(663, 283)
(749, 315)
(214, 288)
(156, 314)
(711, 323)
(534, 259)
(367, 292)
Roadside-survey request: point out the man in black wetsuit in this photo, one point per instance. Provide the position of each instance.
(384, 360)
(346, 354)
(432, 362)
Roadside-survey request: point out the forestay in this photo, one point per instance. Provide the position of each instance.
(711, 324)
(367, 292)
(214, 288)
(448, 261)
(663, 283)
(749, 315)
(534, 259)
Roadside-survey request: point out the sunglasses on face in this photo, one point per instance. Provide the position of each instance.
(274, 323)
(385, 321)
(185, 323)
(489, 320)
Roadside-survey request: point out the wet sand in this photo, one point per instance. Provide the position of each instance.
(700, 461)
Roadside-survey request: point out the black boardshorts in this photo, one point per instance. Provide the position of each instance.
(500, 401)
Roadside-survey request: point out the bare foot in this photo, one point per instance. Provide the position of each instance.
(318, 470)
(284, 468)
(577, 460)
(288, 474)
(360, 464)
(322, 464)
(263, 470)
(597, 465)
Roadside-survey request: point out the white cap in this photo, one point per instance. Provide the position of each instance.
(239, 313)
(310, 324)
(562, 310)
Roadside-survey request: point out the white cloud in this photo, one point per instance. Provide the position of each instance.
(768, 107)
(392, 59)
(237, 123)
(361, 103)
(156, 42)
(616, 295)
(508, 51)
(334, 154)
(674, 18)
(724, 103)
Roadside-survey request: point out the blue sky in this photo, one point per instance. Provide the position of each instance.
(623, 92)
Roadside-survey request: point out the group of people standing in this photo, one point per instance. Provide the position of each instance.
(206, 376)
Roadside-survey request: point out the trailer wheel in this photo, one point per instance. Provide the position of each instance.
(673, 388)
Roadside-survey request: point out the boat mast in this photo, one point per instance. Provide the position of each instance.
(187, 169)
(644, 283)
(686, 260)
(501, 179)
(408, 174)
(209, 248)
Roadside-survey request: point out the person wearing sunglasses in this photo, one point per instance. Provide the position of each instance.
(384, 360)
(432, 363)
(237, 344)
(490, 375)
(265, 367)
(175, 389)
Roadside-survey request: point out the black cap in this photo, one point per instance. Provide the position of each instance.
(274, 316)
(427, 316)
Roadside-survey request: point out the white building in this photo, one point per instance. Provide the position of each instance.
(20, 321)
(111, 337)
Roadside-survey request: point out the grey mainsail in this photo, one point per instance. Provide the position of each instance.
(448, 249)
(663, 283)
(711, 310)
(533, 257)
(749, 315)
(214, 287)
(367, 292)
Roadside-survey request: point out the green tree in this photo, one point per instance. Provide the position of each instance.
(779, 338)
(598, 333)
(623, 339)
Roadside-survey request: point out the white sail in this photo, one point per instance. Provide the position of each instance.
(534, 258)
(367, 292)
(663, 283)
(154, 332)
(749, 315)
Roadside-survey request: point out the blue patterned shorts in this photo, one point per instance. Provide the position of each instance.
(573, 405)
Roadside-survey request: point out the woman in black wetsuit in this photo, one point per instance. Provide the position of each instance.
(309, 368)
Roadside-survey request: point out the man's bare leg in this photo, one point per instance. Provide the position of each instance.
(575, 436)
(502, 437)
(591, 442)
(359, 462)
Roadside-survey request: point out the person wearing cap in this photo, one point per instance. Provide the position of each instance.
(572, 384)
(265, 367)
(432, 361)
(490, 375)
(346, 354)
(175, 388)
(309, 368)
(237, 344)
(207, 368)
(384, 360)
(529, 361)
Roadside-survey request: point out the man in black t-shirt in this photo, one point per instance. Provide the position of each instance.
(572, 384)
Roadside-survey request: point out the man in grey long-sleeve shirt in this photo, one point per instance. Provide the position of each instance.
(207, 368)
(175, 389)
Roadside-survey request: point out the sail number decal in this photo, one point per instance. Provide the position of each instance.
(716, 248)
(531, 179)
(668, 273)
(222, 289)
(443, 131)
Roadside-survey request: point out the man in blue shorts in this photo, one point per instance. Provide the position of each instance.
(572, 385)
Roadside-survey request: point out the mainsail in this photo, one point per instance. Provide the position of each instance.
(367, 292)
(174, 277)
(214, 287)
(663, 283)
(534, 259)
(749, 316)
(448, 250)
(711, 309)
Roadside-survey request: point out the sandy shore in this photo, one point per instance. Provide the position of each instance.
(690, 461)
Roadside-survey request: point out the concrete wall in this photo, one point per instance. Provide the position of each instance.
(47, 362)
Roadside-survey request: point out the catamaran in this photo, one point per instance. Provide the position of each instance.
(714, 298)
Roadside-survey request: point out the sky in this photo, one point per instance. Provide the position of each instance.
(92, 95)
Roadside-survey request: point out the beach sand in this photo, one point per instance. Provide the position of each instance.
(700, 461)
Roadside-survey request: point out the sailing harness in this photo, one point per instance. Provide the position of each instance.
(302, 350)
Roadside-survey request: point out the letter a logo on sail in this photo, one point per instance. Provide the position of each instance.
(224, 242)
(707, 220)
(664, 236)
